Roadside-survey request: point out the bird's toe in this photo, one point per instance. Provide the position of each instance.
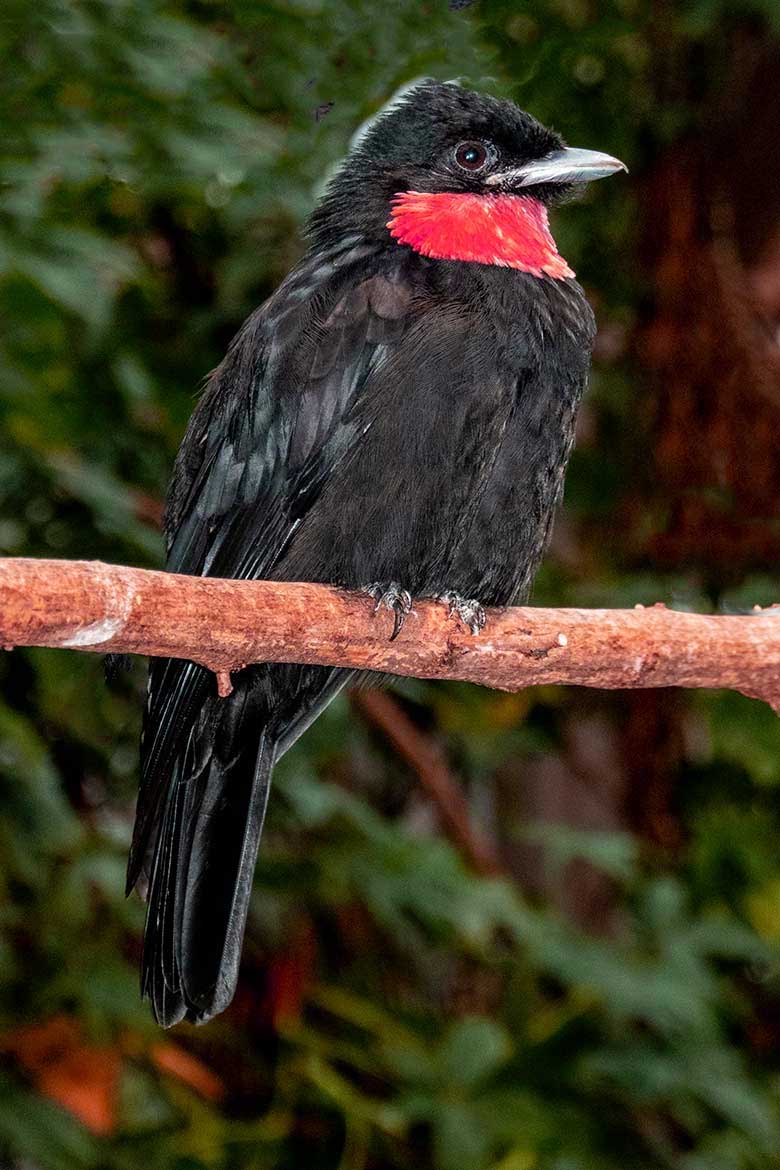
(468, 609)
(392, 596)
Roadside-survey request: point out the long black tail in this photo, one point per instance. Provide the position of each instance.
(206, 776)
(204, 860)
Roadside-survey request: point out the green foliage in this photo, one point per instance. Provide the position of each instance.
(396, 1010)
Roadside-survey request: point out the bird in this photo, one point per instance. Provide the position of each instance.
(396, 418)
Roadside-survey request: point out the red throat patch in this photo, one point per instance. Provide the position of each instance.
(511, 231)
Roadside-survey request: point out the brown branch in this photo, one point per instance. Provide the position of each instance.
(226, 624)
(427, 760)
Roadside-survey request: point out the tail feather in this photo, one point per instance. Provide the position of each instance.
(176, 693)
(159, 974)
(204, 863)
(201, 811)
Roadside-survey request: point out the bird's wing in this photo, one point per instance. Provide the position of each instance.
(274, 422)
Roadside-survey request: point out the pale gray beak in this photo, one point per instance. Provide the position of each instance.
(569, 165)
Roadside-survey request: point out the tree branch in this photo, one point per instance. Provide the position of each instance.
(227, 624)
(427, 760)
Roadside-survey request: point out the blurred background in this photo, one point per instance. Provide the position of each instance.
(490, 932)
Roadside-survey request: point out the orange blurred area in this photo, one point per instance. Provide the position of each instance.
(82, 1077)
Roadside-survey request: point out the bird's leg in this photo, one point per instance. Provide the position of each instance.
(390, 595)
(468, 609)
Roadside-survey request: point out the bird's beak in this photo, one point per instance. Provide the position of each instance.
(568, 165)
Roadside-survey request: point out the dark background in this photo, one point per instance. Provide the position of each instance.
(578, 968)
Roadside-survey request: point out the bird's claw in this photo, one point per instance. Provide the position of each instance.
(468, 609)
(390, 595)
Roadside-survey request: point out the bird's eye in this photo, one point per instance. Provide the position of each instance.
(471, 156)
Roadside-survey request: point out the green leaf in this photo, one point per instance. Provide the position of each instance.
(474, 1049)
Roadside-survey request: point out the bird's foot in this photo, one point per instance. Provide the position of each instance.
(390, 595)
(470, 612)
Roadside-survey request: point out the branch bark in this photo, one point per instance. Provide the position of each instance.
(226, 625)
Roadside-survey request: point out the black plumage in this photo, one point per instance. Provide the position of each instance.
(384, 417)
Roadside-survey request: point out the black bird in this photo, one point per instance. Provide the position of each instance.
(397, 417)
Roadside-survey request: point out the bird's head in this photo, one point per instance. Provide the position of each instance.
(458, 175)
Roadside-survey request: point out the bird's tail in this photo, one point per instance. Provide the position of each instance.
(204, 860)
